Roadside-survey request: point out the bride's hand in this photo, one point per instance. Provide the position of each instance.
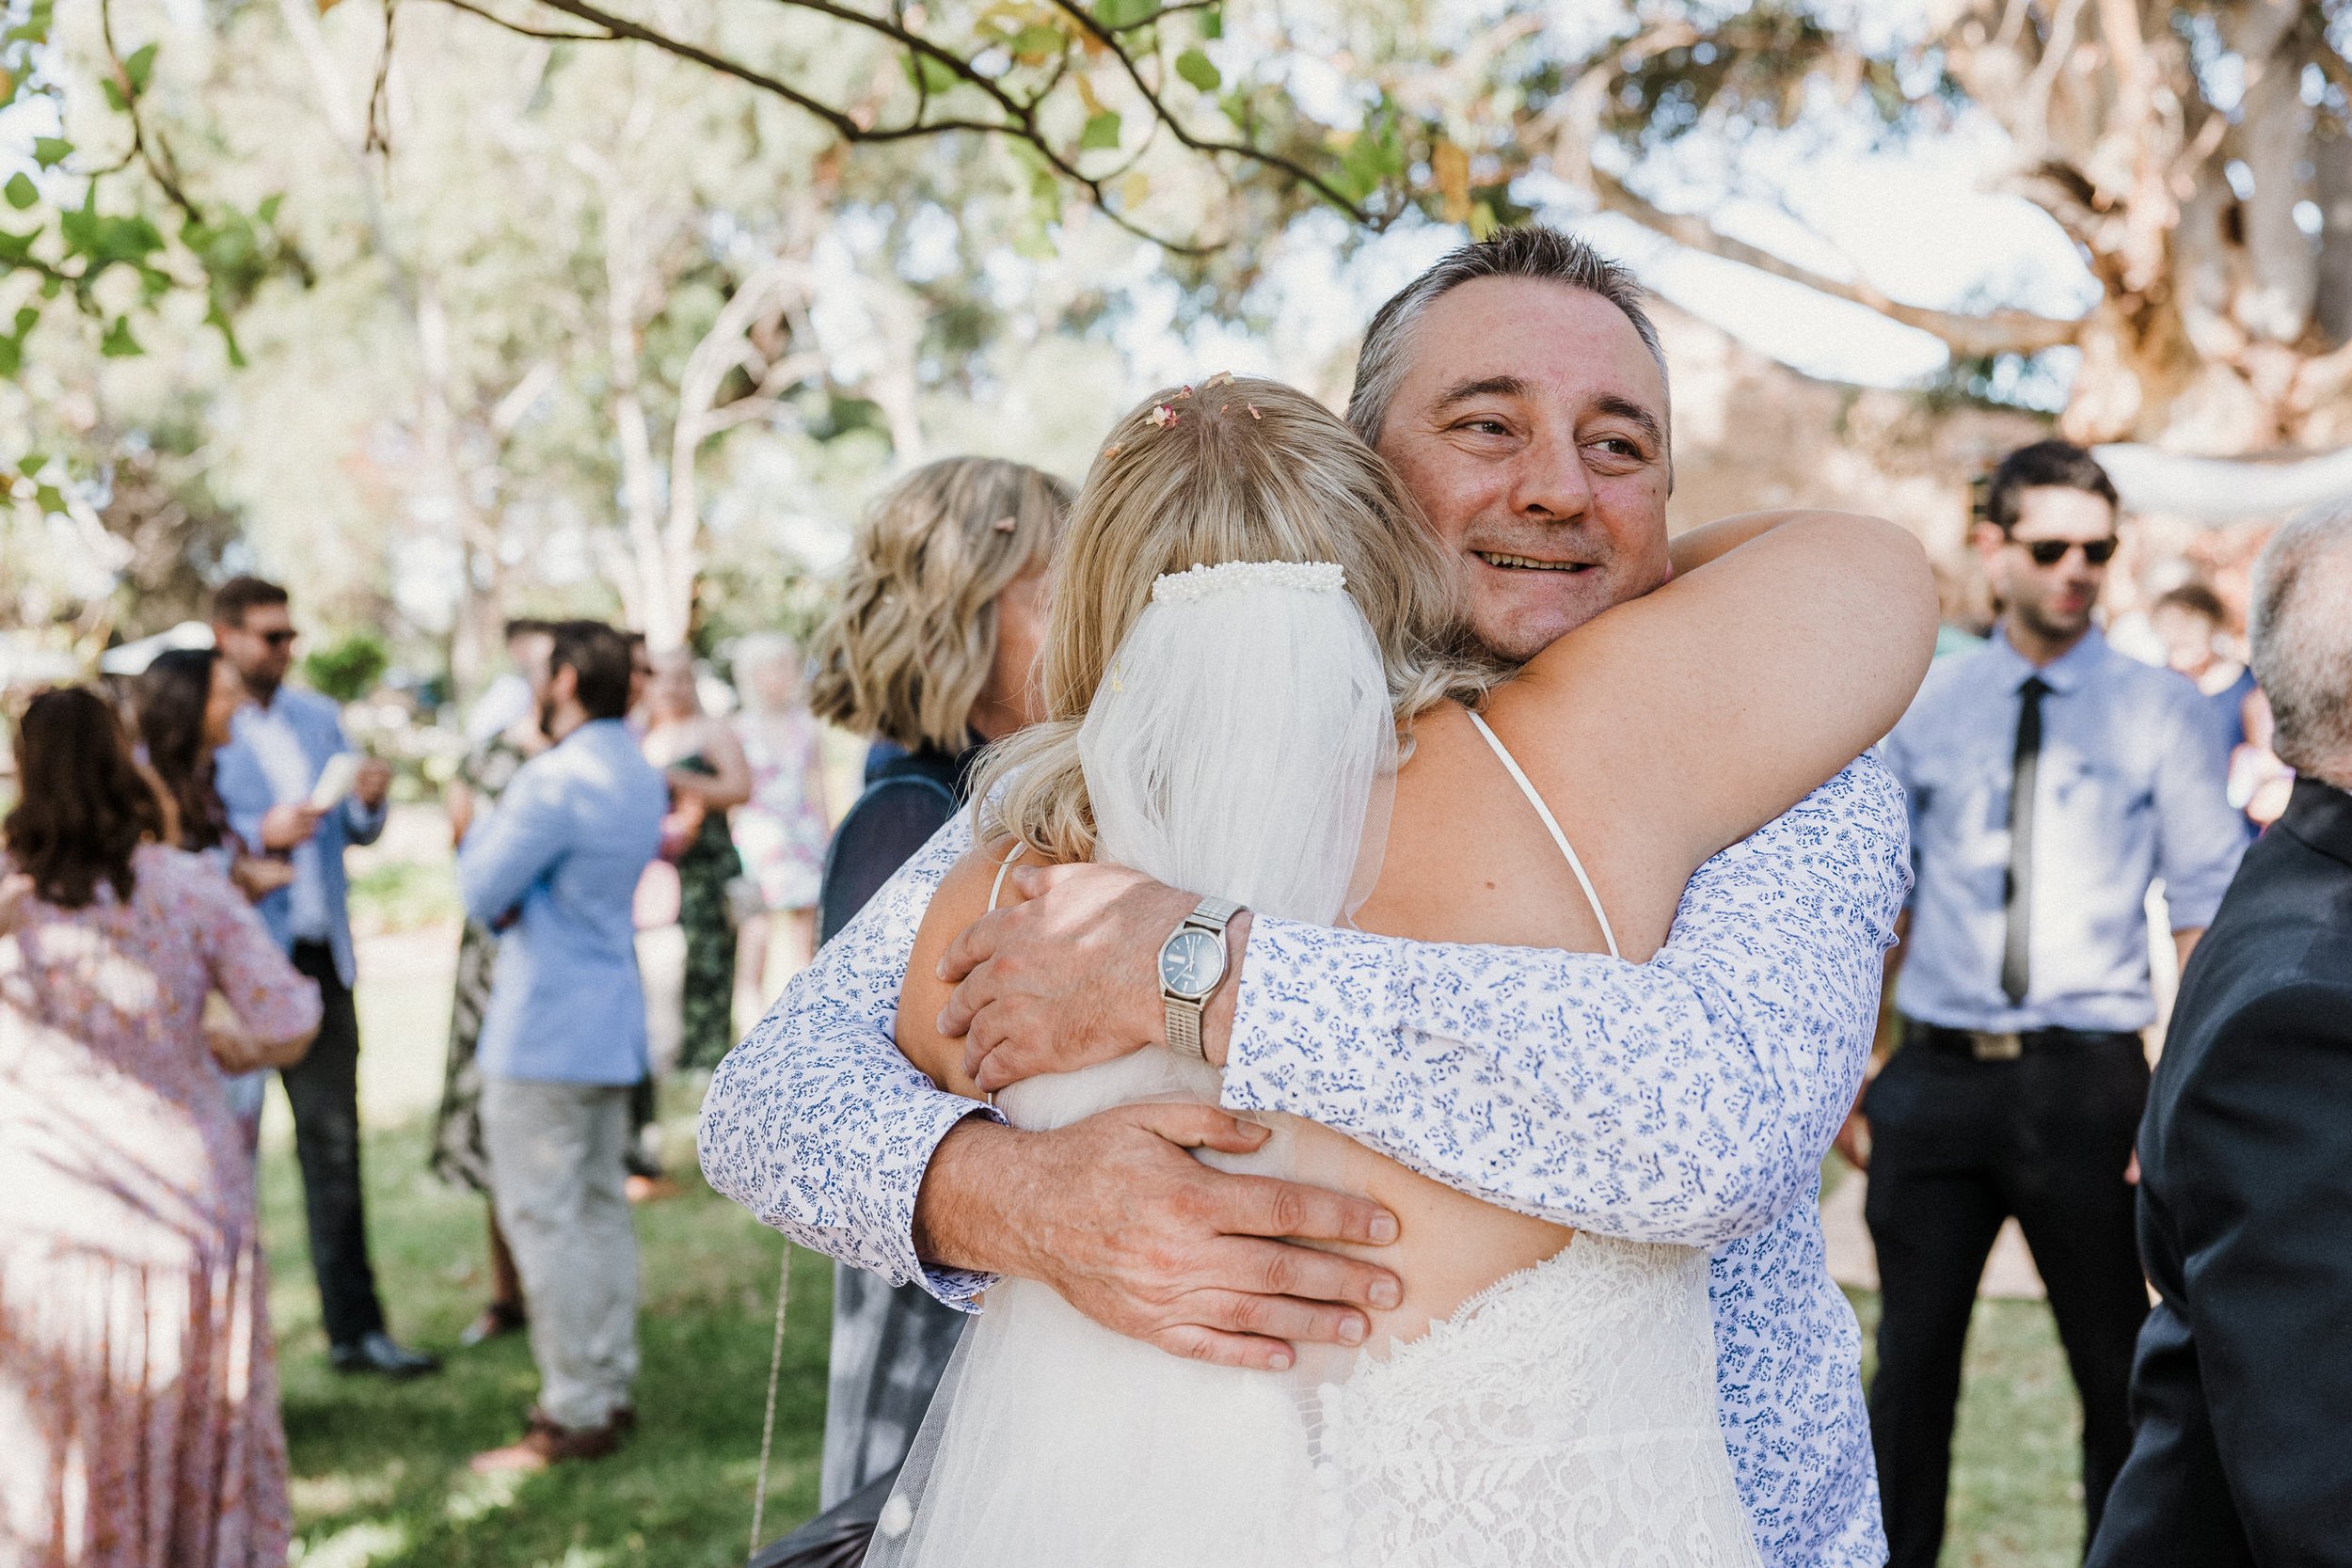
(1070, 977)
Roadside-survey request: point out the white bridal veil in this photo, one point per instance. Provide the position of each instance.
(1242, 744)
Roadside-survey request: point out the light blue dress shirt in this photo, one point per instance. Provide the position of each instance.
(259, 768)
(2131, 791)
(562, 852)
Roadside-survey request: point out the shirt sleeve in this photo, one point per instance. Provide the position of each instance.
(2199, 839)
(360, 825)
(1687, 1100)
(817, 1123)
(269, 996)
(513, 849)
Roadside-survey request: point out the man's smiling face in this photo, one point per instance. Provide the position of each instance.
(1531, 425)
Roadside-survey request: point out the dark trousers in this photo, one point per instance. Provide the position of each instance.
(1957, 1146)
(323, 1090)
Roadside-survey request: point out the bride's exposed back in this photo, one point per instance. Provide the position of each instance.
(1250, 627)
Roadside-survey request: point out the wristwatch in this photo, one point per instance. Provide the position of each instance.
(1192, 965)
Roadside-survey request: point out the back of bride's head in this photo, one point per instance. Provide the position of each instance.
(1233, 469)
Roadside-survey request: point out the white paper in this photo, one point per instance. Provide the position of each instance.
(335, 780)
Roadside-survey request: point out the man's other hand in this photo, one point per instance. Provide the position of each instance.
(1067, 978)
(1118, 1219)
(283, 826)
(373, 782)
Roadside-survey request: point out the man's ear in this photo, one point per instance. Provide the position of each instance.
(563, 685)
(1988, 541)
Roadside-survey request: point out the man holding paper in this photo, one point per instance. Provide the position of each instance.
(295, 787)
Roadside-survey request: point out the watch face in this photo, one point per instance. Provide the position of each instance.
(1191, 963)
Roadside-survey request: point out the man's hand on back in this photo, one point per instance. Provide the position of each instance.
(1069, 978)
(1116, 1215)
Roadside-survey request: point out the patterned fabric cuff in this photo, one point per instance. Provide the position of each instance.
(1308, 995)
(957, 1288)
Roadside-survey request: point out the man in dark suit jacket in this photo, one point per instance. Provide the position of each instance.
(2242, 1388)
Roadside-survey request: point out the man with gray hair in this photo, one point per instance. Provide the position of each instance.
(1518, 390)
(2242, 1384)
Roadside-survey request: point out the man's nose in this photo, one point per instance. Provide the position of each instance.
(1551, 483)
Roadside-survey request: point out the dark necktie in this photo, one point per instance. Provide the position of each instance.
(2017, 896)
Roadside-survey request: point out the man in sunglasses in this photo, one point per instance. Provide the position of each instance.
(269, 776)
(2052, 780)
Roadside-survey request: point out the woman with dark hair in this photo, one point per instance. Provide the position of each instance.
(183, 702)
(138, 1385)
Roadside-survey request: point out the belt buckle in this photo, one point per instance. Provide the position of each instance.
(1986, 1046)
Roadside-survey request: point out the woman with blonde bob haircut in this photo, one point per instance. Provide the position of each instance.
(1258, 685)
(929, 652)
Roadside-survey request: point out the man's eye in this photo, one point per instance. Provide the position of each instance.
(1487, 427)
(1622, 447)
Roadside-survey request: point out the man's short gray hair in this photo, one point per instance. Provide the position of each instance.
(2301, 631)
(1534, 251)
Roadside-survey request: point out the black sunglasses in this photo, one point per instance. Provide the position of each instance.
(2049, 552)
(280, 639)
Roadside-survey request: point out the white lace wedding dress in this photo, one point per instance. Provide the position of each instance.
(1564, 1416)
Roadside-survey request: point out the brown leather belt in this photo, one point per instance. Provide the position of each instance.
(1985, 1045)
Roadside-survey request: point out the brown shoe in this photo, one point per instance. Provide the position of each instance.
(545, 1443)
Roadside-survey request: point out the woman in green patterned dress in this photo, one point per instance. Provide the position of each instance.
(457, 1156)
(708, 777)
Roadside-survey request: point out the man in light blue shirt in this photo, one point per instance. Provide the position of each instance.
(269, 776)
(553, 868)
(2051, 780)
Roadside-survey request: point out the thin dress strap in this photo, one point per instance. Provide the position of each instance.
(996, 888)
(1551, 824)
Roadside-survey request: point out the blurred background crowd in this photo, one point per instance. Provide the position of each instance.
(357, 357)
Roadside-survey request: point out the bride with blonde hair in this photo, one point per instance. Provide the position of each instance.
(1259, 683)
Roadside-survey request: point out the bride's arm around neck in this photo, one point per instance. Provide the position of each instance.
(1787, 644)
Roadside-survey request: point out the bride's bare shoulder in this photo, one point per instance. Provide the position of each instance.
(962, 898)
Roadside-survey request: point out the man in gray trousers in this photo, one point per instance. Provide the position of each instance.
(553, 868)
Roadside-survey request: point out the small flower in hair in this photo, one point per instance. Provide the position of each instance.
(1005, 525)
(1253, 412)
(1113, 450)
(1222, 379)
(1185, 393)
(1162, 416)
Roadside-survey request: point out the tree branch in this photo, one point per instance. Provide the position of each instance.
(2001, 332)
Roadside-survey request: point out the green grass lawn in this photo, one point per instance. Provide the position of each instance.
(380, 1471)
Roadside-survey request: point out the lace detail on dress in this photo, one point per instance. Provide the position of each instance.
(1564, 1416)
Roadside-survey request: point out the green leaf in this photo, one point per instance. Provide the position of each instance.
(1120, 14)
(49, 151)
(266, 214)
(929, 74)
(1198, 69)
(22, 192)
(49, 499)
(11, 357)
(1037, 43)
(25, 319)
(1212, 23)
(16, 247)
(115, 100)
(118, 343)
(32, 462)
(216, 317)
(139, 66)
(1101, 133)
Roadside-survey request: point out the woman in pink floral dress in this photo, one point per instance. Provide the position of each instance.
(138, 1389)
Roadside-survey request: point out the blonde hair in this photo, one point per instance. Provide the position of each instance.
(909, 647)
(1236, 469)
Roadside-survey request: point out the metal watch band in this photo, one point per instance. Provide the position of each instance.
(1183, 1029)
(1183, 1016)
